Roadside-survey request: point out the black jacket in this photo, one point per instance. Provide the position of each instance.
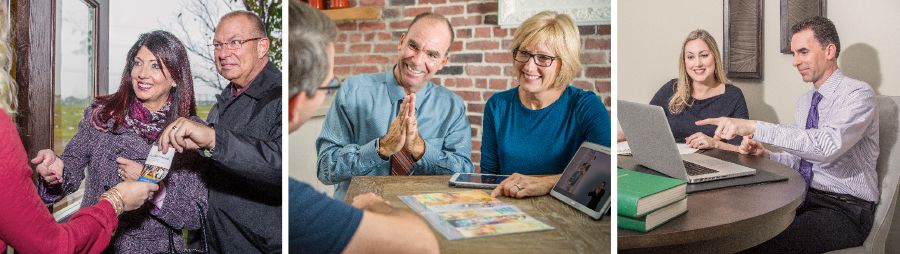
(245, 174)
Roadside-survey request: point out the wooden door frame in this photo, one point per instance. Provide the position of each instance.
(34, 36)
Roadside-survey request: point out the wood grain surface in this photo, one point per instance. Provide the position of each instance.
(575, 232)
(724, 220)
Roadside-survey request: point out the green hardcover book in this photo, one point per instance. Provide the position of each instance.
(641, 193)
(655, 218)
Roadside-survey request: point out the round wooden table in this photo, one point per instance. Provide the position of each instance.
(725, 220)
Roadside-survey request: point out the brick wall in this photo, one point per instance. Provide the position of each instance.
(480, 63)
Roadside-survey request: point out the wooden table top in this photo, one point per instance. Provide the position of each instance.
(725, 220)
(575, 232)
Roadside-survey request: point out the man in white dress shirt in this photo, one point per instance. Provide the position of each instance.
(833, 145)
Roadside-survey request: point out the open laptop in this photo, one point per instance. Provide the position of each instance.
(653, 146)
(585, 183)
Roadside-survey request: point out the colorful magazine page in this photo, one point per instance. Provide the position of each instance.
(474, 213)
(157, 165)
(447, 201)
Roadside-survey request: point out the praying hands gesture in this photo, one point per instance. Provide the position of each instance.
(403, 132)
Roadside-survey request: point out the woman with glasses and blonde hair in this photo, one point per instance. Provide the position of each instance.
(535, 128)
(701, 91)
(25, 223)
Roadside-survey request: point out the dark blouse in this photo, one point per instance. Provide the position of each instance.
(729, 104)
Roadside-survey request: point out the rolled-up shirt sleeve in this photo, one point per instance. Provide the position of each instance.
(339, 157)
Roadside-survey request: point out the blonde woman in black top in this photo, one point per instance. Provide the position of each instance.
(701, 91)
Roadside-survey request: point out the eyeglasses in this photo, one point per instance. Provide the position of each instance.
(332, 87)
(539, 59)
(233, 45)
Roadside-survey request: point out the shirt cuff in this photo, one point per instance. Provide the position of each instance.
(222, 136)
(368, 155)
(766, 132)
(49, 193)
(158, 199)
(432, 153)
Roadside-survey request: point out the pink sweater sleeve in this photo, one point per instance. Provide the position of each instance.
(26, 225)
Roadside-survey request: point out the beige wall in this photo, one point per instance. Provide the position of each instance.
(650, 34)
(302, 158)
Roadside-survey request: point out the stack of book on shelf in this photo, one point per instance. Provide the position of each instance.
(647, 201)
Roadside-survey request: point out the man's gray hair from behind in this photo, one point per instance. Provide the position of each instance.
(310, 34)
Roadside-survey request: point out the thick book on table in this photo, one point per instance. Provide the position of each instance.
(641, 193)
(474, 213)
(654, 219)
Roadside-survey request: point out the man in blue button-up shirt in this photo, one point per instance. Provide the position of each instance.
(363, 129)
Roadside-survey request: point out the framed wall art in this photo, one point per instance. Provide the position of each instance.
(743, 45)
(511, 13)
(794, 11)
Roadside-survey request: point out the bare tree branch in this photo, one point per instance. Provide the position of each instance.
(197, 23)
(196, 26)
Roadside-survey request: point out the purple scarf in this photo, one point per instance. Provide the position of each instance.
(146, 123)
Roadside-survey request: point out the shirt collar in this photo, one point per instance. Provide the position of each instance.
(396, 92)
(831, 84)
(259, 85)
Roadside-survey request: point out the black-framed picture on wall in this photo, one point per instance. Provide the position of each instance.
(793, 11)
(743, 38)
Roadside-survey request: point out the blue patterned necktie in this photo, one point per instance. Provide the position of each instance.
(812, 122)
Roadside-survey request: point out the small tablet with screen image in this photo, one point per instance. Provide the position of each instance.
(586, 182)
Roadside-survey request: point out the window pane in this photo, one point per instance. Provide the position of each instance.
(74, 79)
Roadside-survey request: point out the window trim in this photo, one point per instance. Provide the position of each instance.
(36, 67)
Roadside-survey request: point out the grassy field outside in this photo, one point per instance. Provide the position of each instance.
(66, 117)
(203, 109)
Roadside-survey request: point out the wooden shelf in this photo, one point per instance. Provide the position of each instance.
(355, 13)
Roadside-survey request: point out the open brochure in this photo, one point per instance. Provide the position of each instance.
(473, 213)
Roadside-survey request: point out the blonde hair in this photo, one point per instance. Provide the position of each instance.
(682, 97)
(559, 33)
(8, 102)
